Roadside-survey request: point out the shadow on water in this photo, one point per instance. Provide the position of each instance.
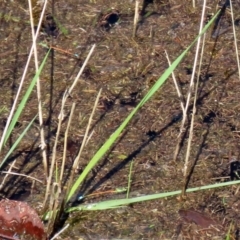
(123, 163)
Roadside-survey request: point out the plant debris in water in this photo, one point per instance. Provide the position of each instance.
(121, 66)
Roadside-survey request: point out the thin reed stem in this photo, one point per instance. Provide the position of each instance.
(2, 142)
(186, 164)
(235, 39)
(76, 161)
(40, 114)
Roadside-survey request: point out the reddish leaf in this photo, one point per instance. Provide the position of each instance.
(17, 219)
(200, 219)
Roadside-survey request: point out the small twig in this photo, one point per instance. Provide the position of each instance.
(23, 175)
(65, 143)
(5, 178)
(82, 68)
(76, 161)
(64, 51)
(180, 95)
(193, 4)
(89, 137)
(136, 17)
(60, 232)
(182, 103)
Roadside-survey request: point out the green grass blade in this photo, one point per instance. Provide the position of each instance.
(121, 202)
(228, 237)
(24, 100)
(129, 179)
(17, 142)
(106, 146)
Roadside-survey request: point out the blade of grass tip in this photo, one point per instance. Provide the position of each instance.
(121, 202)
(171, 68)
(228, 237)
(106, 146)
(129, 179)
(24, 100)
(17, 142)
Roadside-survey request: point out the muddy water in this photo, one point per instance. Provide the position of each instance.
(125, 68)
